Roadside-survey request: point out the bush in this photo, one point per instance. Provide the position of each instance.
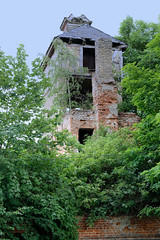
(107, 177)
(36, 200)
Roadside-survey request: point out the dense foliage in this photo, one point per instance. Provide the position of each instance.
(108, 180)
(142, 83)
(137, 34)
(117, 173)
(36, 201)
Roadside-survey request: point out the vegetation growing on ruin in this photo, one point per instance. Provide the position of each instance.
(66, 79)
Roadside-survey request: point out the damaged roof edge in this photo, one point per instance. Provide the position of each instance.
(88, 32)
(48, 54)
(81, 33)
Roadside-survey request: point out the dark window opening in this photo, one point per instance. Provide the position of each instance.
(84, 133)
(81, 92)
(89, 58)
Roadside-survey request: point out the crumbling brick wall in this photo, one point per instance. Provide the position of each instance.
(104, 87)
(104, 92)
(105, 96)
(77, 119)
(127, 119)
(124, 227)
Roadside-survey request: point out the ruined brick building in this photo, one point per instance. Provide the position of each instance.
(99, 52)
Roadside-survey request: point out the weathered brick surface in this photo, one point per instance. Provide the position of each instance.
(104, 87)
(127, 119)
(103, 52)
(76, 119)
(123, 227)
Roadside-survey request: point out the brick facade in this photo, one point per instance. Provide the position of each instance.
(127, 119)
(78, 119)
(123, 227)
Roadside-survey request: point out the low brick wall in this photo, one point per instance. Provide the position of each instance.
(123, 227)
(127, 119)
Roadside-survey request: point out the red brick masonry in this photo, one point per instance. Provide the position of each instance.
(127, 119)
(123, 227)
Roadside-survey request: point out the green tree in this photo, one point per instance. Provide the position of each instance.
(151, 56)
(36, 201)
(142, 83)
(141, 38)
(151, 187)
(136, 34)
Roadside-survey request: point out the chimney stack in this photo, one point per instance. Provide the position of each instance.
(72, 22)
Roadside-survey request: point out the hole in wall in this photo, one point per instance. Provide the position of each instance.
(84, 133)
(81, 92)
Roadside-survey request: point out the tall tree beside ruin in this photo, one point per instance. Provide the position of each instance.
(142, 83)
(136, 34)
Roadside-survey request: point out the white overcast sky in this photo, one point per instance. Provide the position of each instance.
(35, 22)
